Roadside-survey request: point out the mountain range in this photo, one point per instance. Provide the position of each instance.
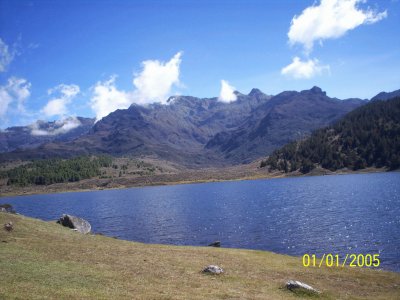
(189, 131)
(41, 132)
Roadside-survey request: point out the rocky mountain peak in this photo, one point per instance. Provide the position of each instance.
(315, 90)
(255, 92)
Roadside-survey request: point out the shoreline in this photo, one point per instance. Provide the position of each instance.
(56, 262)
(92, 233)
(92, 185)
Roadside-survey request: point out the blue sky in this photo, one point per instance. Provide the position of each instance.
(86, 58)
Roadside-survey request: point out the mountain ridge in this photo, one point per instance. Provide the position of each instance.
(201, 132)
(288, 116)
(386, 95)
(40, 132)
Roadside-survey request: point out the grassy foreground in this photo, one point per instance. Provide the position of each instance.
(43, 260)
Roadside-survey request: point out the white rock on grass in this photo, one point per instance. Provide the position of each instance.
(212, 269)
(293, 285)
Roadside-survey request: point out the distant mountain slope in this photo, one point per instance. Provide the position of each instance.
(286, 117)
(27, 137)
(366, 137)
(386, 96)
(204, 132)
(176, 132)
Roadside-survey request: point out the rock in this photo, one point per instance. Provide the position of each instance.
(212, 269)
(294, 285)
(9, 226)
(75, 223)
(7, 208)
(215, 244)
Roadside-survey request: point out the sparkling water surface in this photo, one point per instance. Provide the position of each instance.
(340, 214)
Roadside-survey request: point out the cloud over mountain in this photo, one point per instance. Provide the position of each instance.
(57, 106)
(304, 69)
(59, 127)
(107, 98)
(153, 84)
(227, 92)
(155, 81)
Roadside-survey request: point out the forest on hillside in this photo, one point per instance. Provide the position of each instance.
(49, 171)
(369, 136)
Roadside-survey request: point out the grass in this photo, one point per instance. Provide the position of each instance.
(43, 260)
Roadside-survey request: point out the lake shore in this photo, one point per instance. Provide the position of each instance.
(45, 260)
(235, 173)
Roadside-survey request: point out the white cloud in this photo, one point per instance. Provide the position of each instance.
(67, 90)
(153, 84)
(17, 90)
(5, 100)
(304, 69)
(107, 98)
(58, 127)
(329, 20)
(6, 56)
(55, 107)
(227, 92)
(64, 95)
(155, 81)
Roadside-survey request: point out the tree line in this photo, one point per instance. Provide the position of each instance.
(49, 171)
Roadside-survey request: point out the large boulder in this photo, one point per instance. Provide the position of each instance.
(75, 223)
(7, 208)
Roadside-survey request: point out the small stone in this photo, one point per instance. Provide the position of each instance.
(294, 285)
(215, 244)
(9, 226)
(212, 269)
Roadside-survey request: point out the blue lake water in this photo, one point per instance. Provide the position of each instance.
(325, 214)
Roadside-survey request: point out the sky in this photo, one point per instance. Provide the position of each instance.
(62, 59)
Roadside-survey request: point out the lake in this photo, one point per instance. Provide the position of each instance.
(341, 214)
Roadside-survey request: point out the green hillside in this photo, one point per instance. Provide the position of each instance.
(369, 136)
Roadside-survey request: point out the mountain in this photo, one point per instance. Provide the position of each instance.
(204, 132)
(40, 132)
(175, 132)
(386, 96)
(286, 117)
(369, 136)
